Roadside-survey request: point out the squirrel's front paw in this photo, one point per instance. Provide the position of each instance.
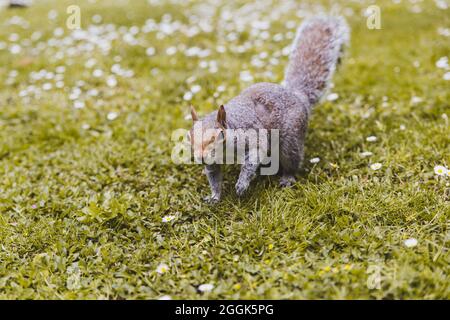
(212, 199)
(287, 181)
(241, 187)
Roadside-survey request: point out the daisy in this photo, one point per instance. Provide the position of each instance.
(188, 96)
(162, 268)
(441, 4)
(246, 76)
(171, 51)
(314, 160)
(168, 218)
(366, 154)
(78, 104)
(52, 14)
(416, 100)
(441, 170)
(90, 63)
(92, 92)
(442, 63)
(97, 18)
(332, 97)
(15, 49)
(47, 86)
(150, 51)
(111, 81)
(371, 139)
(112, 115)
(196, 88)
(410, 242)
(444, 32)
(97, 73)
(221, 88)
(207, 287)
(376, 166)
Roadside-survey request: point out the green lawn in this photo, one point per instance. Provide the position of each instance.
(86, 176)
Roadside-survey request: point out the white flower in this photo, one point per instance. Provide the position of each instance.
(376, 166)
(97, 18)
(90, 63)
(13, 37)
(112, 115)
(162, 268)
(444, 32)
(366, 154)
(150, 51)
(195, 88)
(207, 287)
(171, 51)
(97, 73)
(15, 49)
(78, 104)
(92, 92)
(52, 14)
(188, 96)
(410, 242)
(47, 86)
(286, 50)
(111, 81)
(442, 63)
(332, 97)
(446, 76)
(168, 218)
(221, 49)
(58, 32)
(441, 171)
(402, 127)
(221, 88)
(245, 76)
(314, 160)
(441, 4)
(165, 297)
(371, 139)
(416, 100)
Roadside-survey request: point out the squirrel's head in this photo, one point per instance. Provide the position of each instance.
(210, 133)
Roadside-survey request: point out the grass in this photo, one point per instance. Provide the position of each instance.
(82, 197)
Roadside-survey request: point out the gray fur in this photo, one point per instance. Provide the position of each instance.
(214, 175)
(287, 107)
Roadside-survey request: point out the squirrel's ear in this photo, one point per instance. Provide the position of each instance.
(221, 117)
(193, 114)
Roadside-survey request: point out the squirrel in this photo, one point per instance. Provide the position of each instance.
(316, 51)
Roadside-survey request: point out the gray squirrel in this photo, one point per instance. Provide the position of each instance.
(315, 53)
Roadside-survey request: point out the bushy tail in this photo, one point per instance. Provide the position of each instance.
(315, 53)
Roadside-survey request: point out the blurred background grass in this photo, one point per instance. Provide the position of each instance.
(86, 175)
